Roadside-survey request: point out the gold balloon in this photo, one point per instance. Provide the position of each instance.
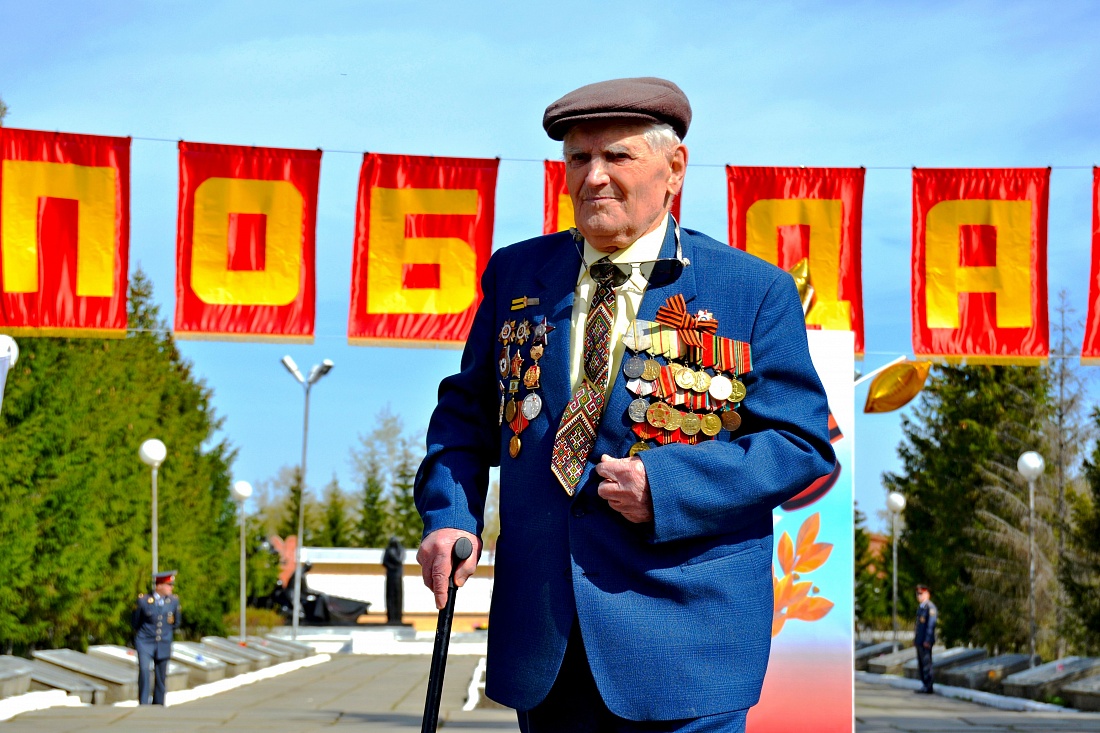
(896, 386)
(801, 274)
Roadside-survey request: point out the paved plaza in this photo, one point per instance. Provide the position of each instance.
(385, 694)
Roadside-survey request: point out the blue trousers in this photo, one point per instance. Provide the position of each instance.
(574, 705)
(152, 667)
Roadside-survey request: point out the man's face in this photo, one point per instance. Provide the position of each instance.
(923, 595)
(164, 589)
(621, 187)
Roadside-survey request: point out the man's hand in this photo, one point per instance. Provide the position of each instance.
(626, 488)
(434, 557)
(927, 645)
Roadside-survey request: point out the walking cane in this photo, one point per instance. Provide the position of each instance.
(462, 549)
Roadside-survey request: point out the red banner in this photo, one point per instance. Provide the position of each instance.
(423, 236)
(1090, 350)
(245, 245)
(64, 233)
(557, 207)
(980, 265)
(787, 215)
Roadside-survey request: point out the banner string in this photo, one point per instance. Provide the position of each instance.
(690, 165)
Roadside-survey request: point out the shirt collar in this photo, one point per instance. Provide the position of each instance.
(647, 247)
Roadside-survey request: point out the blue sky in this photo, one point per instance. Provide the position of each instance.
(885, 85)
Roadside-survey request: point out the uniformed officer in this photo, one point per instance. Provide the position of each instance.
(925, 637)
(155, 617)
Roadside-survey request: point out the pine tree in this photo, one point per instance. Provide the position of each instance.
(870, 582)
(370, 528)
(969, 425)
(3, 112)
(335, 531)
(407, 524)
(1080, 571)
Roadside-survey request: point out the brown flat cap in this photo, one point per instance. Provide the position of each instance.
(643, 99)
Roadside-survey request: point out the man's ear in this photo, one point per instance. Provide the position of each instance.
(677, 163)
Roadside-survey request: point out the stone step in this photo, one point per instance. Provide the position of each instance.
(891, 663)
(867, 653)
(201, 668)
(278, 654)
(50, 677)
(235, 664)
(120, 681)
(1084, 694)
(286, 641)
(944, 659)
(1046, 680)
(987, 674)
(259, 660)
(176, 679)
(15, 676)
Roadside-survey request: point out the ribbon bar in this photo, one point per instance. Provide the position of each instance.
(674, 313)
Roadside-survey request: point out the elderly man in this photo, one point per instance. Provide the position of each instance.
(649, 396)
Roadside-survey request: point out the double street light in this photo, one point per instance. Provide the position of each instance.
(895, 502)
(1031, 467)
(315, 374)
(152, 453)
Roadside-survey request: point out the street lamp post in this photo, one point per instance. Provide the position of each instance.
(241, 491)
(1031, 467)
(895, 502)
(152, 453)
(315, 374)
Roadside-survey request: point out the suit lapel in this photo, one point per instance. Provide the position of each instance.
(558, 279)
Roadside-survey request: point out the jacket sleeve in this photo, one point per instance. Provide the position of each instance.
(720, 486)
(179, 615)
(463, 438)
(135, 615)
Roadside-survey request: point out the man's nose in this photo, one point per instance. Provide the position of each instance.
(596, 175)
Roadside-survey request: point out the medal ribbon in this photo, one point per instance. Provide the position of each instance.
(691, 329)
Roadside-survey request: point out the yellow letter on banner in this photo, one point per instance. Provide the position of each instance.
(389, 251)
(565, 212)
(823, 216)
(280, 280)
(93, 188)
(1010, 279)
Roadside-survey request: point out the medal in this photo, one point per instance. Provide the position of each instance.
(507, 331)
(658, 414)
(542, 332)
(531, 406)
(500, 418)
(531, 377)
(731, 420)
(675, 421)
(712, 425)
(638, 409)
(523, 330)
(651, 370)
(517, 364)
(720, 387)
(685, 378)
(692, 424)
(738, 391)
(702, 381)
(634, 367)
(514, 445)
(502, 362)
(637, 448)
(510, 410)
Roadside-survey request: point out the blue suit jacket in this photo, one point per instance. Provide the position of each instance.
(675, 615)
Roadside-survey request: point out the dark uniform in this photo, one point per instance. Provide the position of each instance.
(154, 619)
(924, 640)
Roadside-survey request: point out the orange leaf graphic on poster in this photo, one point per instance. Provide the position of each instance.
(809, 609)
(807, 533)
(797, 599)
(813, 558)
(785, 551)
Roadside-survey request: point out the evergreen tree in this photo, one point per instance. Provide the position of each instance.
(335, 531)
(871, 592)
(370, 527)
(75, 502)
(968, 427)
(3, 112)
(407, 524)
(1080, 571)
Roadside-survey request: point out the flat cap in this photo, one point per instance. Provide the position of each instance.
(641, 99)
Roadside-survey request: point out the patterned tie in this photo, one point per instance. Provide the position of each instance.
(577, 433)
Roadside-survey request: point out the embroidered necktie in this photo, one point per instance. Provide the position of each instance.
(577, 433)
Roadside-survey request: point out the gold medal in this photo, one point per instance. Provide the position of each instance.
(652, 370)
(712, 424)
(692, 424)
(731, 420)
(702, 382)
(531, 377)
(514, 445)
(674, 367)
(658, 414)
(637, 448)
(675, 420)
(510, 410)
(738, 393)
(685, 378)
